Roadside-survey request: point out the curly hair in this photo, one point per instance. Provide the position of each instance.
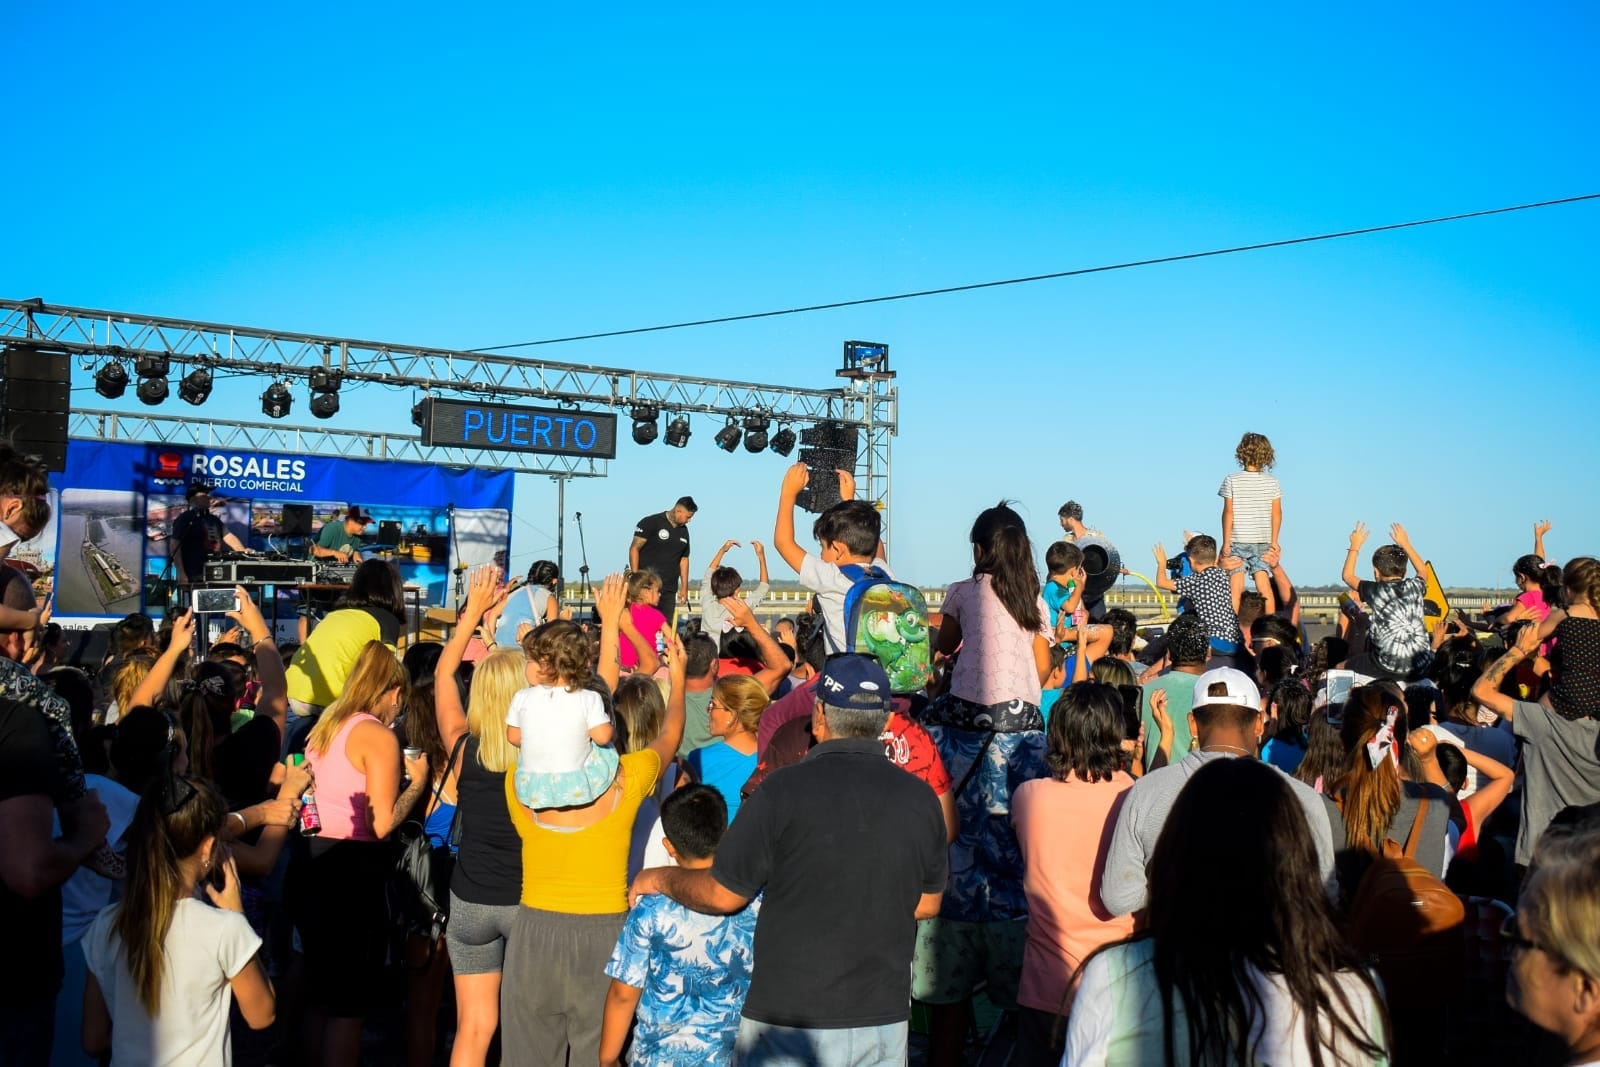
(564, 650)
(1254, 451)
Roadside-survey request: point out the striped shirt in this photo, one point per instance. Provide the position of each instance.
(1252, 493)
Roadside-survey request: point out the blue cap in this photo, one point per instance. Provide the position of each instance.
(854, 681)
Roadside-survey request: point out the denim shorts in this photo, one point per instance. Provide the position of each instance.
(1249, 553)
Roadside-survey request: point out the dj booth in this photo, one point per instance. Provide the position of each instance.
(109, 546)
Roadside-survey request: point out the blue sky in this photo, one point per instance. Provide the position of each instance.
(502, 173)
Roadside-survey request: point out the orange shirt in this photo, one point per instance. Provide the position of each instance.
(1064, 829)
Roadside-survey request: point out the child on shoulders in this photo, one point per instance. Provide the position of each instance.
(723, 582)
(1398, 636)
(1252, 512)
(1212, 591)
(558, 726)
(681, 975)
(848, 534)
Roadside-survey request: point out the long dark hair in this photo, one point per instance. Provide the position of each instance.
(1370, 796)
(1544, 575)
(1236, 851)
(376, 584)
(1323, 762)
(205, 711)
(1005, 554)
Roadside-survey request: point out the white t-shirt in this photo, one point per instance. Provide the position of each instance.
(1117, 1018)
(830, 585)
(555, 727)
(1252, 493)
(207, 947)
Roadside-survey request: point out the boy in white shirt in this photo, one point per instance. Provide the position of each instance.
(848, 533)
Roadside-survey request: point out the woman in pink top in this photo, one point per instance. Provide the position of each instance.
(336, 879)
(1064, 826)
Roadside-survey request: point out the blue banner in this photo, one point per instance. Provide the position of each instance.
(115, 504)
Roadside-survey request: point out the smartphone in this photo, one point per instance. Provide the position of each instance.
(214, 601)
(1339, 683)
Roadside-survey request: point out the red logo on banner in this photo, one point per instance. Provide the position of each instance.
(169, 465)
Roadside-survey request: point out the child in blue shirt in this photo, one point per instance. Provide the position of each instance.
(682, 975)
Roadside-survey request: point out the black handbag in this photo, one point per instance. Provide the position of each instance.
(419, 886)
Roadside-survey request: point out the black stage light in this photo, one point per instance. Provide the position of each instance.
(111, 380)
(645, 426)
(277, 400)
(727, 438)
(324, 405)
(323, 380)
(783, 441)
(755, 433)
(148, 366)
(195, 386)
(153, 390)
(678, 432)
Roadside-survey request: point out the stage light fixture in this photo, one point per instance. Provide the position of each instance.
(111, 380)
(152, 390)
(324, 405)
(755, 433)
(678, 432)
(148, 366)
(727, 438)
(324, 380)
(783, 441)
(645, 427)
(195, 386)
(277, 401)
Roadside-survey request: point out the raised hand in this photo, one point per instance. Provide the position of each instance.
(249, 615)
(484, 590)
(677, 659)
(1359, 535)
(847, 484)
(228, 897)
(1398, 535)
(796, 478)
(1541, 528)
(739, 613)
(727, 545)
(610, 599)
(182, 629)
(758, 549)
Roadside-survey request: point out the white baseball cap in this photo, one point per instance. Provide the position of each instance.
(1241, 689)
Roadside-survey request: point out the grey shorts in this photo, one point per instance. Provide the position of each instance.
(476, 935)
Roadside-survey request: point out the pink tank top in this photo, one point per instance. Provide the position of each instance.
(341, 790)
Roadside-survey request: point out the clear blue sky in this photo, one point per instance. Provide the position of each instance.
(496, 173)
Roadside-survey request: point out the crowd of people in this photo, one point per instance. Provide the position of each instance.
(644, 837)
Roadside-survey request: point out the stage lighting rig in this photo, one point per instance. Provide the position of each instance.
(727, 438)
(195, 386)
(277, 401)
(645, 423)
(783, 441)
(111, 380)
(678, 432)
(755, 432)
(152, 371)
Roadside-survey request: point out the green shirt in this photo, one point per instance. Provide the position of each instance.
(333, 536)
(1179, 688)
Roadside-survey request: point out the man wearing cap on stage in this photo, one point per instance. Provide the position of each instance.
(850, 852)
(661, 544)
(198, 533)
(342, 540)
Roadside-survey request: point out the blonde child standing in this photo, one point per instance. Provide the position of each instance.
(1252, 512)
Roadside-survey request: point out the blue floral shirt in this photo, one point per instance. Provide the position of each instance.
(695, 971)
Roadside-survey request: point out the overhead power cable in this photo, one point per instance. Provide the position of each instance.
(1259, 246)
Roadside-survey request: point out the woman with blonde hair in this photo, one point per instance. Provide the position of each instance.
(357, 762)
(1555, 941)
(486, 884)
(165, 966)
(737, 702)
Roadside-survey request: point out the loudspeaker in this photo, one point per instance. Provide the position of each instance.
(825, 448)
(1102, 566)
(389, 533)
(35, 398)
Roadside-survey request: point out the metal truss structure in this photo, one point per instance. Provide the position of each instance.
(94, 335)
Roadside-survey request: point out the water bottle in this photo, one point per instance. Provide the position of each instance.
(310, 821)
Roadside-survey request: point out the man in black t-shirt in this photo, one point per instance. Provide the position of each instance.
(33, 865)
(661, 544)
(850, 852)
(197, 533)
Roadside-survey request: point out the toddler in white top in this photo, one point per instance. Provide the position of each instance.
(1252, 513)
(559, 726)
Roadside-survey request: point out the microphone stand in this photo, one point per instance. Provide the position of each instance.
(461, 567)
(583, 569)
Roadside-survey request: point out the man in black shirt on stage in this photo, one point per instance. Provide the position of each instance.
(661, 544)
(198, 533)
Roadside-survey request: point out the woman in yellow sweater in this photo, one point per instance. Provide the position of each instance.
(575, 885)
